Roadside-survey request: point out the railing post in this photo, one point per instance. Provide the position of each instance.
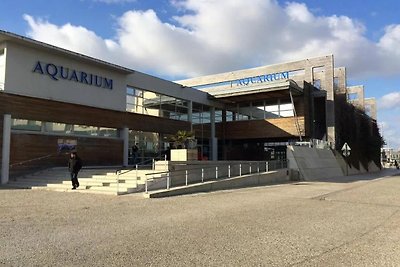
(229, 171)
(145, 187)
(250, 167)
(186, 177)
(216, 172)
(266, 166)
(240, 169)
(258, 167)
(118, 181)
(165, 162)
(168, 180)
(202, 175)
(153, 164)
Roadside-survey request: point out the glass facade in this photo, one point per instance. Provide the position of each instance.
(62, 128)
(153, 104)
(258, 110)
(26, 125)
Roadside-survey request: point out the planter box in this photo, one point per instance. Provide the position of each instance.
(183, 154)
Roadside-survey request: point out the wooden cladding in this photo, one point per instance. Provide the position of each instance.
(35, 151)
(270, 128)
(55, 111)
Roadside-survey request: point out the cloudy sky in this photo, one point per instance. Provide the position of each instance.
(176, 39)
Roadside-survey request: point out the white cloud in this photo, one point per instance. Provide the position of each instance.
(215, 36)
(390, 131)
(389, 101)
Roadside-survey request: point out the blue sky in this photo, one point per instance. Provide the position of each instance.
(176, 39)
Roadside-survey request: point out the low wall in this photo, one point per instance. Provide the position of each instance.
(312, 163)
(352, 170)
(209, 170)
(251, 180)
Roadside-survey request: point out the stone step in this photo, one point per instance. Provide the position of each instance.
(104, 182)
(121, 190)
(39, 179)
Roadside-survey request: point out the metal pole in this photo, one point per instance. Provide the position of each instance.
(168, 180)
(240, 169)
(145, 187)
(250, 167)
(216, 172)
(266, 166)
(118, 181)
(258, 167)
(136, 171)
(229, 171)
(186, 177)
(202, 175)
(153, 165)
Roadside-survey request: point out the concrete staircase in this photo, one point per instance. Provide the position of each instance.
(95, 180)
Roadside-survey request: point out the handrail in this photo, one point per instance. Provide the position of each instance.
(208, 167)
(31, 160)
(134, 166)
(283, 163)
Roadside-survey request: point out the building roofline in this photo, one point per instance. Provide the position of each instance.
(9, 36)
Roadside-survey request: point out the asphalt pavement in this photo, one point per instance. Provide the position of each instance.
(346, 221)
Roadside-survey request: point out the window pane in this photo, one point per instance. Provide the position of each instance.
(26, 125)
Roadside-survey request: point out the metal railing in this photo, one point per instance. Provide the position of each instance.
(150, 162)
(184, 177)
(32, 160)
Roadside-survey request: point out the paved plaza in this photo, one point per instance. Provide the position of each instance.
(338, 222)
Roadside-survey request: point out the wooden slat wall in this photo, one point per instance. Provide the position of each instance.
(46, 110)
(270, 128)
(93, 151)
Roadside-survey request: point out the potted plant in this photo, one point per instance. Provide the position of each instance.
(184, 146)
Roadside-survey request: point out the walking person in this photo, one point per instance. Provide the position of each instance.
(74, 166)
(135, 153)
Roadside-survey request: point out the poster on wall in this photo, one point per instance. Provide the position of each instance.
(66, 145)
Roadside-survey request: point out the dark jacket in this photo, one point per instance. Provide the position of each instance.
(74, 164)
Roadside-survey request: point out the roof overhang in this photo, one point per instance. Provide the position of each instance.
(15, 38)
(229, 94)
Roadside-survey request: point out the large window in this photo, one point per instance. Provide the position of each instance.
(259, 110)
(149, 103)
(26, 125)
(57, 128)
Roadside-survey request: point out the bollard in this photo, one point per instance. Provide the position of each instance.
(229, 171)
(186, 177)
(168, 181)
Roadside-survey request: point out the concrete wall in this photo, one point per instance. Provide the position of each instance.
(352, 170)
(279, 176)
(2, 67)
(359, 91)
(21, 79)
(312, 163)
(370, 104)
